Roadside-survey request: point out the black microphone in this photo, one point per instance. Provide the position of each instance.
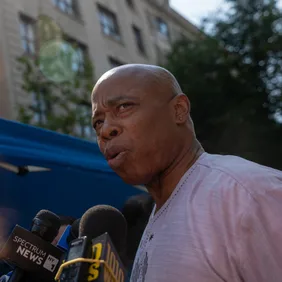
(31, 250)
(94, 255)
(136, 210)
(46, 225)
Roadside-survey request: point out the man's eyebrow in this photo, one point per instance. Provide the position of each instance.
(115, 100)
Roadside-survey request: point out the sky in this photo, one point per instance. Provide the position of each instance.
(194, 10)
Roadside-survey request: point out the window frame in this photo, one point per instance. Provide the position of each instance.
(25, 21)
(75, 44)
(115, 31)
(140, 44)
(113, 62)
(40, 104)
(85, 129)
(158, 22)
(71, 9)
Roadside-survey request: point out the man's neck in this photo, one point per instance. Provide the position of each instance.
(162, 187)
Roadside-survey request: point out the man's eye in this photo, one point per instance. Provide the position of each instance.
(97, 124)
(124, 106)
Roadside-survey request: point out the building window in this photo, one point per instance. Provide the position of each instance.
(130, 3)
(138, 39)
(81, 54)
(83, 126)
(27, 32)
(62, 60)
(67, 6)
(39, 107)
(114, 62)
(162, 28)
(73, 52)
(109, 24)
(78, 61)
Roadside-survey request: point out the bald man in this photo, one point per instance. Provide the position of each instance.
(216, 218)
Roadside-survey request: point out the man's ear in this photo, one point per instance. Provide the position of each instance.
(181, 108)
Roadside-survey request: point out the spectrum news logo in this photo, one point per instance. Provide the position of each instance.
(32, 253)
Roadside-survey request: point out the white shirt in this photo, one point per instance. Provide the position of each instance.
(223, 222)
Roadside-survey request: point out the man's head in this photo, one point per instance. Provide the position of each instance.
(142, 120)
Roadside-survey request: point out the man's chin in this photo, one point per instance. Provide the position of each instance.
(131, 179)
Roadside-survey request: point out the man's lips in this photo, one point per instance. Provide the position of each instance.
(113, 152)
(113, 156)
(118, 160)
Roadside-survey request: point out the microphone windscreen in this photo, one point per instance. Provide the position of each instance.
(101, 219)
(136, 210)
(136, 207)
(46, 224)
(49, 217)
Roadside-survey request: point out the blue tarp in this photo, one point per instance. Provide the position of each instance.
(78, 179)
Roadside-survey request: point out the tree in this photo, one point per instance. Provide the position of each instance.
(233, 79)
(58, 82)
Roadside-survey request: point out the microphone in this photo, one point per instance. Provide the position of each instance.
(94, 255)
(136, 210)
(31, 251)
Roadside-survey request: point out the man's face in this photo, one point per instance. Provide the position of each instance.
(134, 128)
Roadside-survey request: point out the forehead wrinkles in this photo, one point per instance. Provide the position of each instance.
(153, 86)
(117, 88)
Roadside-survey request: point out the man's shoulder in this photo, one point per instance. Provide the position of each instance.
(249, 175)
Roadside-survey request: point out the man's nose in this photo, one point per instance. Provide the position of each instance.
(110, 130)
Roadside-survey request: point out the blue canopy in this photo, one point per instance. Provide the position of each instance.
(40, 169)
